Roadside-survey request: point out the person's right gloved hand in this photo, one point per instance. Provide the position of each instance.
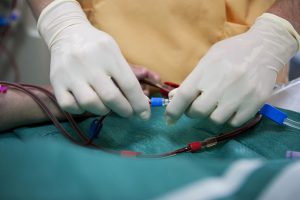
(88, 71)
(237, 75)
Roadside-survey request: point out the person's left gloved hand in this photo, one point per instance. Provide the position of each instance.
(237, 75)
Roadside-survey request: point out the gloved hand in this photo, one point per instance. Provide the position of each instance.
(88, 71)
(237, 75)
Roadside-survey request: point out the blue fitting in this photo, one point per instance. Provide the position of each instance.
(156, 101)
(273, 114)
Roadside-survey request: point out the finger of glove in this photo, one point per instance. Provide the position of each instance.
(253, 102)
(131, 88)
(203, 105)
(146, 89)
(88, 99)
(244, 113)
(172, 93)
(188, 91)
(66, 100)
(223, 112)
(229, 103)
(111, 95)
(183, 97)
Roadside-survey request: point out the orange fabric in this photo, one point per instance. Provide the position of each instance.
(170, 36)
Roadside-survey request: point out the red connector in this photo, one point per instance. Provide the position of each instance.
(195, 146)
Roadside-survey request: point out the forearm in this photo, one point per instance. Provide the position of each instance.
(289, 10)
(37, 6)
(17, 109)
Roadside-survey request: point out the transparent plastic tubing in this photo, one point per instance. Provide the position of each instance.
(291, 123)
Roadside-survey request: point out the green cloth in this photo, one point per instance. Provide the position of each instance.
(40, 163)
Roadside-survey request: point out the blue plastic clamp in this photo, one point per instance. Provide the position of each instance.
(273, 114)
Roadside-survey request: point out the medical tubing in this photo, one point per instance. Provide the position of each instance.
(292, 123)
(153, 84)
(42, 106)
(165, 89)
(51, 116)
(209, 142)
(239, 130)
(67, 115)
(85, 141)
(57, 124)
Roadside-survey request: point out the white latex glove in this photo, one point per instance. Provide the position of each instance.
(237, 75)
(88, 71)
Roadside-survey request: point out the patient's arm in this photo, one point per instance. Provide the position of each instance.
(17, 109)
(289, 10)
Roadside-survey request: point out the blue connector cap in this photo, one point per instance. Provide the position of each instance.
(95, 128)
(156, 101)
(273, 114)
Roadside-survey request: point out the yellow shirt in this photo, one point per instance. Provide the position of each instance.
(170, 36)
